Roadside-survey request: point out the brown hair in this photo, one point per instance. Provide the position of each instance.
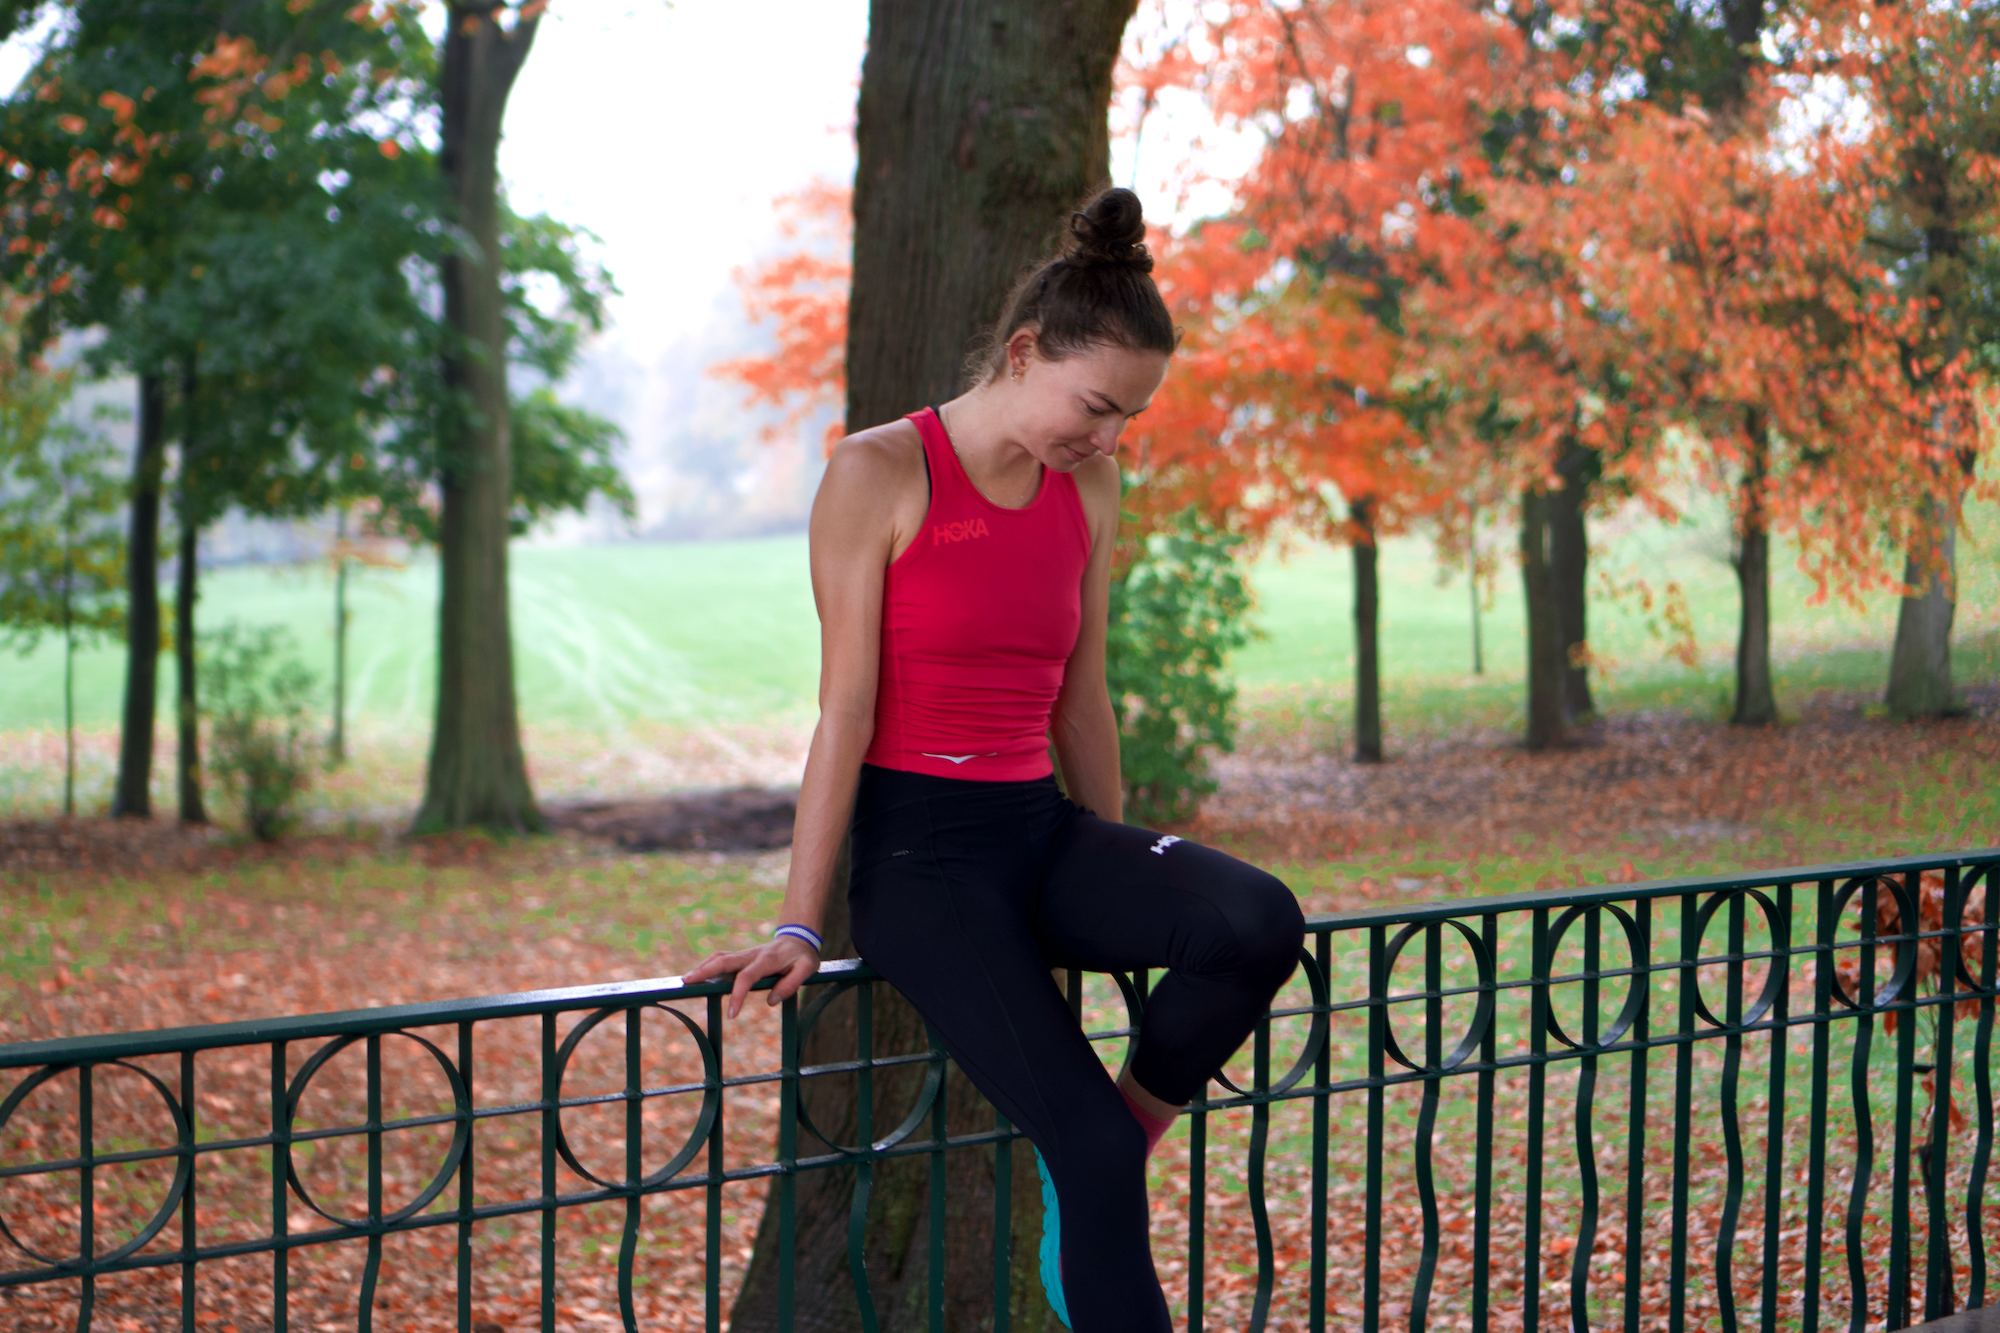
(1096, 291)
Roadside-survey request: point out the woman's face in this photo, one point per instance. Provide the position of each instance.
(1067, 412)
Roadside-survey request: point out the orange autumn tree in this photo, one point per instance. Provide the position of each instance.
(801, 295)
(1729, 246)
(1925, 76)
(1292, 405)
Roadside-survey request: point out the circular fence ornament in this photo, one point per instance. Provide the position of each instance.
(711, 1099)
(1482, 1016)
(1774, 976)
(176, 1188)
(926, 1095)
(461, 1130)
(1906, 958)
(1635, 993)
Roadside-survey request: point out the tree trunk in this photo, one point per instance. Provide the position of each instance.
(1569, 570)
(478, 774)
(981, 125)
(69, 665)
(133, 794)
(1920, 666)
(1367, 657)
(1472, 585)
(337, 743)
(187, 714)
(1756, 705)
(1545, 646)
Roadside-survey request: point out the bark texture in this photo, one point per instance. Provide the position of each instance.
(1756, 703)
(133, 794)
(1367, 646)
(478, 774)
(187, 711)
(981, 126)
(1569, 569)
(1545, 646)
(1920, 665)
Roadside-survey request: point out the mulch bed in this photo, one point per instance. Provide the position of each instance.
(734, 819)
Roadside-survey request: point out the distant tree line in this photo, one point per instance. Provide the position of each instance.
(284, 222)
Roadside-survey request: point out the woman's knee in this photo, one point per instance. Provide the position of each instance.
(1270, 928)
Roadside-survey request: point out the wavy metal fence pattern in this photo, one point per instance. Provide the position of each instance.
(1741, 985)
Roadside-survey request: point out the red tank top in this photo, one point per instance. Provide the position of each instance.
(979, 617)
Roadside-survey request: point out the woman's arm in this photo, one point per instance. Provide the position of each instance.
(1085, 728)
(862, 514)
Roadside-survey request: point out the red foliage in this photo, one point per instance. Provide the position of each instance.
(802, 294)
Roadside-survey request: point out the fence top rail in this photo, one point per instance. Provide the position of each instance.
(433, 1013)
(1403, 914)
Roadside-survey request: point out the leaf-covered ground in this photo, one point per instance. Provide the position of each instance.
(109, 927)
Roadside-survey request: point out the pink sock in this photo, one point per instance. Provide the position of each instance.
(1155, 1127)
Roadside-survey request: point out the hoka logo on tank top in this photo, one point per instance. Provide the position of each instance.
(963, 531)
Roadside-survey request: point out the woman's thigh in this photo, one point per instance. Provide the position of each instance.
(1117, 897)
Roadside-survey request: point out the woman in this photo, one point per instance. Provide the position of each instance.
(961, 563)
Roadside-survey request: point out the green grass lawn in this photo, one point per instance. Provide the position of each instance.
(724, 632)
(1305, 611)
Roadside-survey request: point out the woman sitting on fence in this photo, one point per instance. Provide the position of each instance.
(961, 563)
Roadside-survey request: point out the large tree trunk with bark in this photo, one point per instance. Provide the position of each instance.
(1367, 646)
(981, 126)
(1756, 703)
(478, 774)
(187, 713)
(1569, 569)
(1920, 665)
(1545, 646)
(133, 794)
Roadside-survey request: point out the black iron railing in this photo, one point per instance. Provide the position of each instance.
(1773, 1112)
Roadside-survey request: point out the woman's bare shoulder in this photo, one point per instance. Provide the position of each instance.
(881, 455)
(875, 487)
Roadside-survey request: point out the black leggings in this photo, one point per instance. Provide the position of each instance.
(965, 894)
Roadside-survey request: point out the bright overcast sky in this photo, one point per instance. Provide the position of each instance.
(668, 129)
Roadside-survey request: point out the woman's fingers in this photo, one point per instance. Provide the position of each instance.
(794, 959)
(715, 965)
(748, 975)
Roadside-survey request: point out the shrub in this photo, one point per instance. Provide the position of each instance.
(1176, 614)
(256, 694)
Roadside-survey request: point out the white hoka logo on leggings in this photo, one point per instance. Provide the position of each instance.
(1160, 848)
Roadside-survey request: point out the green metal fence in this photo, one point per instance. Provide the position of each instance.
(1754, 1100)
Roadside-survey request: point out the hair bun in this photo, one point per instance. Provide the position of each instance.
(1110, 229)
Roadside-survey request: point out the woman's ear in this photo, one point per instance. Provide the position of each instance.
(1021, 349)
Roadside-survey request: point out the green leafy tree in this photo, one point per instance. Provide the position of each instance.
(1177, 612)
(194, 183)
(59, 545)
(236, 196)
